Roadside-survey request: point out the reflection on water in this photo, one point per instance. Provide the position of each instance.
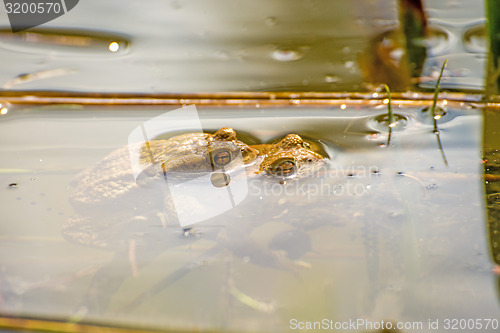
(379, 233)
(298, 45)
(491, 172)
(464, 46)
(64, 42)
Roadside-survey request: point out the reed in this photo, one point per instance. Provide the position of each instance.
(435, 116)
(390, 115)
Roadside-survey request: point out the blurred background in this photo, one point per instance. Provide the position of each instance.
(223, 45)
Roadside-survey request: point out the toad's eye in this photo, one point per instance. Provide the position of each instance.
(285, 168)
(221, 157)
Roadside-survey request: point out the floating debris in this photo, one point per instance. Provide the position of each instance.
(46, 74)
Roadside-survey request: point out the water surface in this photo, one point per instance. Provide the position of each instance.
(383, 232)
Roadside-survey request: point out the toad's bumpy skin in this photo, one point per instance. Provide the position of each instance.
(291, 157)
(107, 195)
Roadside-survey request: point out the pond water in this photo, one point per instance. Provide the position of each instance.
(188, 46)
(392, 232)
(398, 226)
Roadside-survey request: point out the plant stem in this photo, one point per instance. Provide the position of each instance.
(390, 115)
(436, 93)
(433, 113)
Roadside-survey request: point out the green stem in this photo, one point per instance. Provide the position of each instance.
(436, 93)
(390, 114)
(433, 113)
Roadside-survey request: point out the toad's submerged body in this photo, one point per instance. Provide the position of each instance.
(123, 205)
(113, 192)
(192, 153)
(115, 177)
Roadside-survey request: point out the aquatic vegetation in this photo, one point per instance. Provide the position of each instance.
(390, 115)
(493, 69)
(435, 115)
(415, 28)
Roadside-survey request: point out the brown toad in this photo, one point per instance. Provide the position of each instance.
(113, 193)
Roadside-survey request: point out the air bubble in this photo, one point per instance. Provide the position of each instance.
(114, 46)
(349, 64)
(187, 232)
(331, 78)
(4, 108)
(373, 136)
(271, 21)
(220, 179)
(286, 55)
